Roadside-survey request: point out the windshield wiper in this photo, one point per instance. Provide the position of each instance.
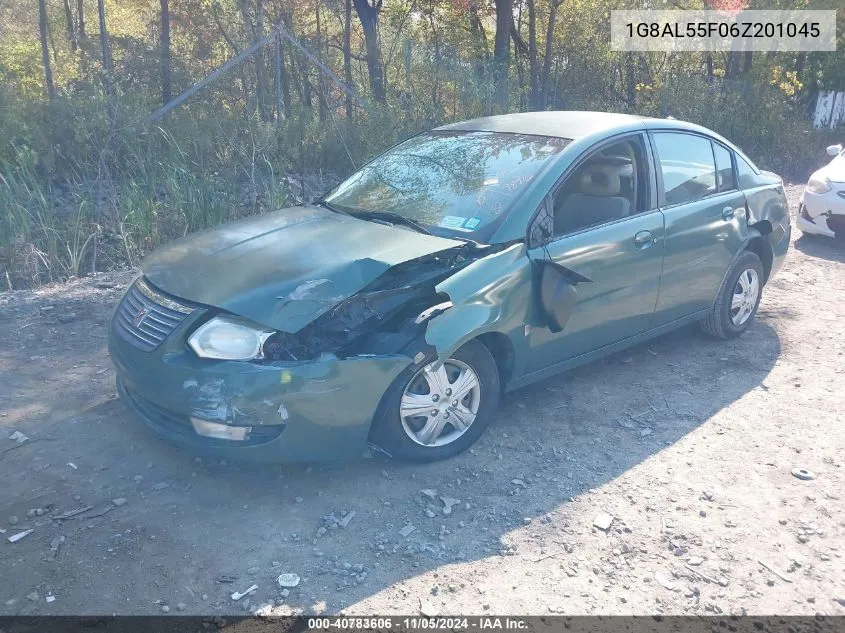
(330, 207)
(390, 217)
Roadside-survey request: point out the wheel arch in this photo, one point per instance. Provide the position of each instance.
(501, 349)
(759, 245)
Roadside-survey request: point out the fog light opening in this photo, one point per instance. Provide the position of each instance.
(220, 431)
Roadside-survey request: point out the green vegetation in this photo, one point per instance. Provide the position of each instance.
(87, 182)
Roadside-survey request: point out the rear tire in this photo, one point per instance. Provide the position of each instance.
(404, 436)
(738, 298)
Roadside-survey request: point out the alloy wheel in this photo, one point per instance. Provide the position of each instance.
(439, 405)
(746, 292)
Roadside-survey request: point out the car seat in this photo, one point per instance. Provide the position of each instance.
(598, 197)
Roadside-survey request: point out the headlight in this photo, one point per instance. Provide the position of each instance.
(229, 338)
(818, 185)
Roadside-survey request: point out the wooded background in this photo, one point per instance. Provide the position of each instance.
(88, 181)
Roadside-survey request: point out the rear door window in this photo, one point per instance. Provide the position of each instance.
(687, 166)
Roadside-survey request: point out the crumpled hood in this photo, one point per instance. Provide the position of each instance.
(284, 269)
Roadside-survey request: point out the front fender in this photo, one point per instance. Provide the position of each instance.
(493, 294)
(458, 325)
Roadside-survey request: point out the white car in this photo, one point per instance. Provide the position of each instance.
(822, 208)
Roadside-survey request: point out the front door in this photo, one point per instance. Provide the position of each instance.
(608, 242)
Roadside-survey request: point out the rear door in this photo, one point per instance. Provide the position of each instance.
(704, 214)
(599, 274)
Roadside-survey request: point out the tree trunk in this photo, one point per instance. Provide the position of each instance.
(71, 27)
(368, 15)
(476, 26)
(708, 60)
(252, 34)
(799, 65)
(533, 68)
(438, 57)
(501, 51)
(733, 69)
(547, 56)
(630, 81)
(235, 49)
(166, 87)
(260, 67)
(306, 85)
(323, 108)
(747, 62)
(283, 73)
(347, 53)
(104, 45)
(80, 20)
(45, 49)
(81, 38)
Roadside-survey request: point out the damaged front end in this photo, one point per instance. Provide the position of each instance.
(388, 316)
(308, 395)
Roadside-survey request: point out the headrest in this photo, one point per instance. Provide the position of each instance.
(604, 179)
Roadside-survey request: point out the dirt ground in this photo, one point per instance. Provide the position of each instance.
(686, 442)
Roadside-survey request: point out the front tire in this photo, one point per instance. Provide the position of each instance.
(738, 298)
(430, 414)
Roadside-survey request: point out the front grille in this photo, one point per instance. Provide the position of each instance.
(145, 317)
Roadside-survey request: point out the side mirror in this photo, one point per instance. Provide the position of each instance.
(834, 150)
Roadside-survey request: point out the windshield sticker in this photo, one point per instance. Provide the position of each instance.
(491, 181)
(472, 223)
(452, 222)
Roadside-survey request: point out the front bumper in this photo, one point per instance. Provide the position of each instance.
(822, 213)
(298, 411)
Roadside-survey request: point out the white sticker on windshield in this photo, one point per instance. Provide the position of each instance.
(452, 222)
(491, 181)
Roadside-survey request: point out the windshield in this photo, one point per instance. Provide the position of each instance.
(452, 183)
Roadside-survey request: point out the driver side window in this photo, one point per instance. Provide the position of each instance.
(608, 186)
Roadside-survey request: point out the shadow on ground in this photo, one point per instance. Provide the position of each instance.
(188, 523)
(822, 247)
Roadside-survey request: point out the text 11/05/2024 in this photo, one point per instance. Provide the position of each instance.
(456, 623)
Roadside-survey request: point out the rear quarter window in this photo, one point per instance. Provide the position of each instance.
(746, 174)
(724, 168)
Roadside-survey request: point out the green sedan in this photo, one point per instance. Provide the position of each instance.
(468, 261)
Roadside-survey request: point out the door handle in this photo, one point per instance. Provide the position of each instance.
(727, 213)
(643, 239)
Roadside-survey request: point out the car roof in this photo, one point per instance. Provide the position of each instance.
(569, 124)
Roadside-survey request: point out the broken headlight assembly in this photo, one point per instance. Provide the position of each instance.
(229, 338)
(818, 185)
